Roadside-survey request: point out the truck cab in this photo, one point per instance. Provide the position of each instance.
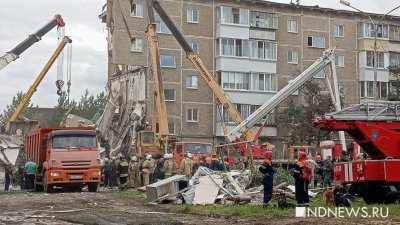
(197, 149)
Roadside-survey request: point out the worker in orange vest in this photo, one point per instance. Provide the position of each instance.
(302, 175)
(267, 172)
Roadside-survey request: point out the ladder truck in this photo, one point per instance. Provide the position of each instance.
(375, 127)
(28, 42)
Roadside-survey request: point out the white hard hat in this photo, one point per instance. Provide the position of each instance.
(134, 158)
(170, 156)
(189, 155)
(148, 157)
(165, 156)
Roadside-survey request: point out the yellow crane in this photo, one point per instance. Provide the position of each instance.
(32, 88)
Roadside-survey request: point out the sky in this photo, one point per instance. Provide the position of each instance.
(20, 18)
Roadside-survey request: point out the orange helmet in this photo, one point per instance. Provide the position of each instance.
(268, 154)
(302, 155)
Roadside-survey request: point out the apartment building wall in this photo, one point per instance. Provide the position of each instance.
(311, 21)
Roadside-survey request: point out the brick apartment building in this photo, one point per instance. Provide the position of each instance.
(253, 48)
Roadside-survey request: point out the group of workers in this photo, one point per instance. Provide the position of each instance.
(26, 175)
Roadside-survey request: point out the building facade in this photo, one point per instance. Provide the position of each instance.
(253, 49)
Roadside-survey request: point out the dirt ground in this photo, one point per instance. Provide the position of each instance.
(114, 207)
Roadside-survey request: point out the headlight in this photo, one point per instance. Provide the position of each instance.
(96, 173)
(55, 174)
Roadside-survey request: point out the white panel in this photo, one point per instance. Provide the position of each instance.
(245, 65)
(252, 98)
(362, 61)
(267, 131)
(394, 46)
(258, 34)
(368, 75)
(233, 31)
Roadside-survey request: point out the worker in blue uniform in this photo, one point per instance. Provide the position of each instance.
(267, 172)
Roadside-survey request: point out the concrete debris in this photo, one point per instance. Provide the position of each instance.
(166, 188)
(310, 193)
(207, 190)
(72, 120)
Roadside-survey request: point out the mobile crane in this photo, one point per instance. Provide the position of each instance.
(375, 126)
(32, 89)
(28, 42)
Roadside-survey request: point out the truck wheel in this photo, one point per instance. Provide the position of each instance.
(92, 187)
(374, 195)
(48, 188)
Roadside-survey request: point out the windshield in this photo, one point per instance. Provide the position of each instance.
(198, 148)
(312, 152)
(63, 142)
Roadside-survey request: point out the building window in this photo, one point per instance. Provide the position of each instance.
(195, 47)
(169, 94)
(263, 49)
(168, 61)
(317, 42)
(338, 31)
(366, 89)
(136, 10)
(191, 81)
(171, 128)
(235, 80)
(292, 26)
(395, 33)
(320, 74)
(370, 59)
(136, 45)
(339, 60)
(162, 28)
(234, 47)
(192, 16)
(192, 115)
(368, 30)
(264, 20)
(394, 59)
(383, 89)
(231, 15)
(292, 57)
(263, 82)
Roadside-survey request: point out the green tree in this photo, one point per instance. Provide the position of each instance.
(60, 109)
(394, 94)
(297, 118)
(89, 105)
(27, 112)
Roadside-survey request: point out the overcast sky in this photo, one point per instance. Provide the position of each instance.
(89, 62)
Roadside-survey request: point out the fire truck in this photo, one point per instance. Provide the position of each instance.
(375, 127)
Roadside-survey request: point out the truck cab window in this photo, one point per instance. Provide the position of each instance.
(67, 142)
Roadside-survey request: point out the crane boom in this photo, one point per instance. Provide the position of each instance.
(327, 58)
(32, 89)
(28, 42)
(222, 97)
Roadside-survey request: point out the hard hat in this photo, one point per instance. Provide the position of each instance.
(148, 157)
(268, 154)
(165, 156)
(105, 160)
(134, 158)
(302, 155)
(189, 155)
(113, 158)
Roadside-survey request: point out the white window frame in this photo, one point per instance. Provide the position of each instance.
(138, 10)
(339, 60)
(164, 66)
(227, 16)
(137, 46)
(195, 49)
(292, 26)
(192, 119)
(190, 18)
(380, 85)
(235, 81)
(260, 53)
(394, 58)
(263, 20)
(338, 30)
(365, 88)
(233, 49)
(314, 41)
(162, 28)
(270, 77)
(189, 82)
(165, 95)
(292, 54)
(381, 55)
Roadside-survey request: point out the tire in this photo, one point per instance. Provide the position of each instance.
(92, 187)
(373, 195)
(48, 188)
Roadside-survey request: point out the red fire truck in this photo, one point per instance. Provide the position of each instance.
(376, 128)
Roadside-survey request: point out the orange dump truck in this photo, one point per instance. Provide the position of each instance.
(66, 157)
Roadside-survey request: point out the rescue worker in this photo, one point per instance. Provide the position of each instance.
(134, 172)
(160, 167)
(168, 165)
(21, 174)
(301, 186)
(203, 162)
(113, 173)
(106, 170)
(152, 169)
(318, 171)
(30, 170)
(123, 170)
(327, 172)
(185, 167)
(174, 165)
(215, 165)
(146, 170)
(267, 172)
(8, 175)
